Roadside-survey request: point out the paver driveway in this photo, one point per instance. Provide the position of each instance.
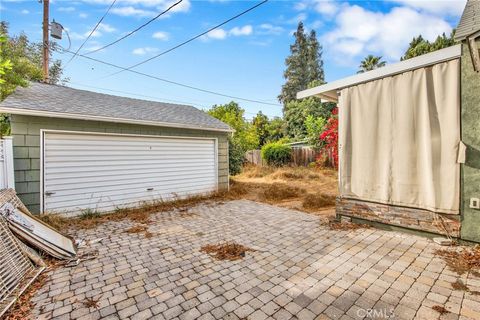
(301, 269)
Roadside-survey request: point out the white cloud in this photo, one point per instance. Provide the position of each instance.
(221, 34)
(143, 51)
(132, 12)
(25, 11)
(267, 28)
(242, 31)
(359, 32)
(325, 7)
(66, 9)
(161, 35)
(102, 27)
(439, 7)
(145, 8)
(218, 34)
(83, 15)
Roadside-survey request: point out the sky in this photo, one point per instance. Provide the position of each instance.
(244, 58)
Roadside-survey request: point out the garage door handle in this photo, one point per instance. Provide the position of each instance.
(49, 193)
(149, 189)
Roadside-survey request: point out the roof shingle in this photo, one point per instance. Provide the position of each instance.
(73, 102)
(470, 20)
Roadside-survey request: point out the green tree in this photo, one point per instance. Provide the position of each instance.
(314, 127)
(371, 62)
(419, 45)
(243, 139)
(303, 65)
(275, 129)
(260, 123)
(26, 62)
(297, 111)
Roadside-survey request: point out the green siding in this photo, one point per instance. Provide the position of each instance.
(26, 148)
(470, 84)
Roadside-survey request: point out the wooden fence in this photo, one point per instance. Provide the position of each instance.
(300, 157)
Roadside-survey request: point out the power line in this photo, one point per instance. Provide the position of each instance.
(91, 32)
(172, 82)
(192, 39)
(140, 27)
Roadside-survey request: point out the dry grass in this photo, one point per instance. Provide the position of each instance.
(317, 201)
(226, 251)
(279, 191)
(312, 190)
(465, 260)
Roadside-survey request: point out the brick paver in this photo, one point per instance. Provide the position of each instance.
(300, 270)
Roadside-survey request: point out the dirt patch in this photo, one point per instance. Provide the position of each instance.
(440, 309)
(141, 229)
(226, 251)
(461, 261)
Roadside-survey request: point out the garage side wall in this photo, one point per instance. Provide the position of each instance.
(26, 148)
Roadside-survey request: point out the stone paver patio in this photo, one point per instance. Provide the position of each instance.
(301, 270)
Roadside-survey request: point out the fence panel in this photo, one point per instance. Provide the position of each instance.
(300, 157)
(6, 163)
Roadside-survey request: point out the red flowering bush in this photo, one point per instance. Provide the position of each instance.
(329, 138)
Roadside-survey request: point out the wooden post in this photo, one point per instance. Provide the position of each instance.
(46, 53)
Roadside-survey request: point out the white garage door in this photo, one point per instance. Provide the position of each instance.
(103, 172)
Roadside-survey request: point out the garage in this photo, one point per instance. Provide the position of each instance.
(77, 151)
(102, 172)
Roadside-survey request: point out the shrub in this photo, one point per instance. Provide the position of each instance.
(236, 156)
(277, 154)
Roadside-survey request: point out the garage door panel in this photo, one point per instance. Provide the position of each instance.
(111, 204)
(115, 184)
(64, 173)
(119, 196)
(83, 171)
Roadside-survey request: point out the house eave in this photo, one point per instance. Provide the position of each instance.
(50, 114)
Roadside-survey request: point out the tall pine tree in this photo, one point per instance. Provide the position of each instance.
(304, 65)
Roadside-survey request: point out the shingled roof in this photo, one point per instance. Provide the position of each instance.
(470, 21)
(64, 102)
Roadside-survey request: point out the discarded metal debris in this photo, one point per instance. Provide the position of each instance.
(32, 230)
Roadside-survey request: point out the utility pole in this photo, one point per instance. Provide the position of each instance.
(46, 45)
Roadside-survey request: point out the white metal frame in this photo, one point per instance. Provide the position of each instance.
(42, 153)
(329, 91)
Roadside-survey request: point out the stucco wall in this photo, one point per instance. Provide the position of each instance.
(26, 148)
(471, 137)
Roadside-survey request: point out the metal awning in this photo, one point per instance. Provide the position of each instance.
(330, 90)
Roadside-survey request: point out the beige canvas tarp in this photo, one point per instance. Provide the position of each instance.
(399, 138)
